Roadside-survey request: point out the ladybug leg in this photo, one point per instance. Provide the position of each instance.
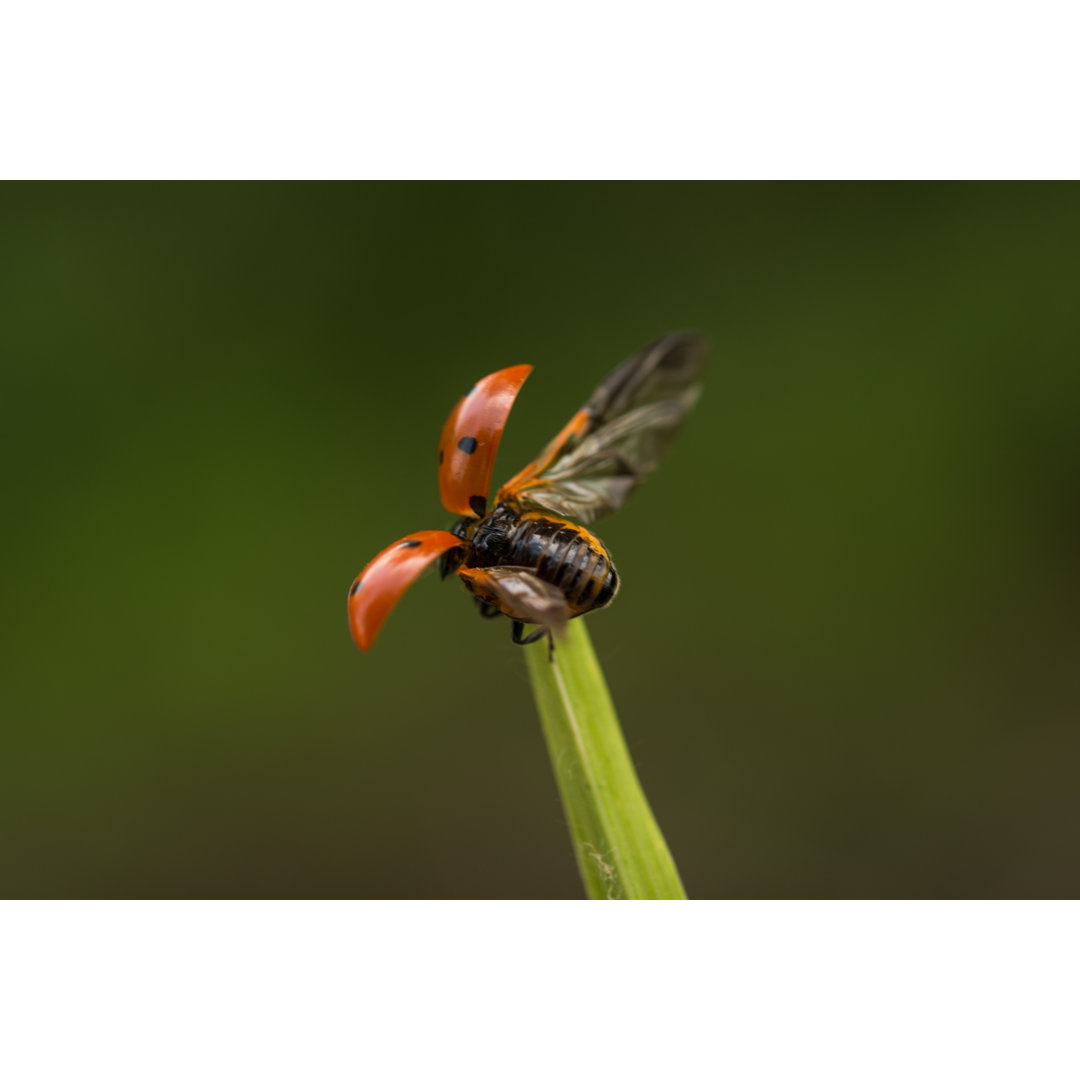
(487, 611)
(521, 595)
(518, 630)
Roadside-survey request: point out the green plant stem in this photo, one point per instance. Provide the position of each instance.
(619, 848)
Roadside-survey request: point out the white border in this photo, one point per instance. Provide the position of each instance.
(538, 989)
(562, 90)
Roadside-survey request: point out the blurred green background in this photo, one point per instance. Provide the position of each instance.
(845, 650)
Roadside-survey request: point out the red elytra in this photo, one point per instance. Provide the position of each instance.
(467, 448)
(470, 440)
(379, 586)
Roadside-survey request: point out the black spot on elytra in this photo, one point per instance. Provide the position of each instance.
(467, 443)
(409, 543)
(440, 457)
(478, 504)
(355, 587)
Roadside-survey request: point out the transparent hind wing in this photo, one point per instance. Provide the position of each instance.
(618, 437)
(520, 594)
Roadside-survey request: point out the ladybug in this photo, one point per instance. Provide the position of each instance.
(524, 558)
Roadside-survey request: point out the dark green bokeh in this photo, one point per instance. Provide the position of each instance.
(845, 652)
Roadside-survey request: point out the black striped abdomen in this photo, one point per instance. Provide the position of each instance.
(566, 556)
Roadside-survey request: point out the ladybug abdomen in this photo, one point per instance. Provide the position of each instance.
(566, 556)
